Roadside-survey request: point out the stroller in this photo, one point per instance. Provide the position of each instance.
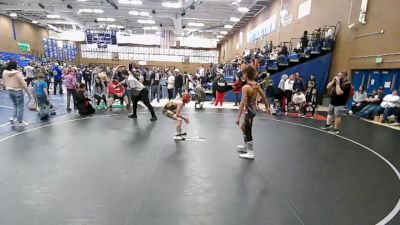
(199, 96)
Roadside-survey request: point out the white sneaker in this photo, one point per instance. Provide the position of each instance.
(248, 155)
(23, 124)
(350, 113)
(178, 138)
(241, 149)
(12, 120)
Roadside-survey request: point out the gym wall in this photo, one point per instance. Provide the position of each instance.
(25, 32)
(380, 15)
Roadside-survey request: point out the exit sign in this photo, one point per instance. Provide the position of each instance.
(24, 46)
(379, 59)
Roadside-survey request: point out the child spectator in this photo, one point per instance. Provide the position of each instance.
(311, 98)
(299, 100)
(237, 88)
(70, 84)
(221, 89)
(83, 102)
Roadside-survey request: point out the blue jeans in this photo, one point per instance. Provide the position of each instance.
(388, 112)
(155, 93)
(178, 90)
(237, 98)
(17, 97)
(368, 111)
(164, 91)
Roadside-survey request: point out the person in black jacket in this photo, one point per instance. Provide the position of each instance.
(178, 84)
(221, 88)
(83, 102)
(304, 41)
(311, 98)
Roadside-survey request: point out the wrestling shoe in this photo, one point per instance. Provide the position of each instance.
(153, 119)
(133, 116)
(333, 130)
(326, 127)
(241, 149)
(178, 138)
(248, 155)
(12, 120)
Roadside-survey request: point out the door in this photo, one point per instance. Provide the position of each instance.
(373, 81)
(387, 81)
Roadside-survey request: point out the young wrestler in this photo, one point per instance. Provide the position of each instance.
(249, 92)
(173, 110)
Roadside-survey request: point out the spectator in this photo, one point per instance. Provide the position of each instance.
(83, 102)
(29, 73)
(57, 74)
(221, 88)
(359, 100)
(41, 90)
(298, 82)
(299, 100)
(311, 98)
(116, 91)
(70, 84)
(304, 42)
(237, 88)
(340, 94)
(15, 85)
(164, 83)
(155, 86)
(389, 104)
(289, 83)
(170, 85)
(99, 91)
(178, 83)
(46, 79)
(372, 109)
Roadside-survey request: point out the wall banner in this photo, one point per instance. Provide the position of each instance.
(304, 9)
(286, 18)
(265, 28)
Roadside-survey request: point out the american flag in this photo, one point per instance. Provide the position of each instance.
(165, 39)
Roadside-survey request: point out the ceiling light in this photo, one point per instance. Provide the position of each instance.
(53, 16)
(150, 28)
(228, 26)
(192, 24)
(81, 0)
(115, 26)
(34, 22)
(224, 32)
(220, 36)
(134, 13)
(175, 5)
(106, 19)
(13, 15)
(147, 21)
(98, 11)
(234, 19)
(130, 2)
(144, 14)
(243, 9)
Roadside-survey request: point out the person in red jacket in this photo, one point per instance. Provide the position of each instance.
(116, 91)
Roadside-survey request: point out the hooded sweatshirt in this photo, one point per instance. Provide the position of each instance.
(14, 80)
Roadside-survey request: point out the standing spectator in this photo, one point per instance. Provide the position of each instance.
(29, 73)
(304, 42)
(155, 85)
(70, 84)
(221, 89)
(15, 85)
(57, 74)
(87, 77)
(288, 92)
(178, 83)
(237, 88)
(359, 100)
(340, 94)
(164, 83)
(311, 98)
(298, 82)
(171, 85)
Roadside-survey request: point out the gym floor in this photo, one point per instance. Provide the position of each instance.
(107, 169)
